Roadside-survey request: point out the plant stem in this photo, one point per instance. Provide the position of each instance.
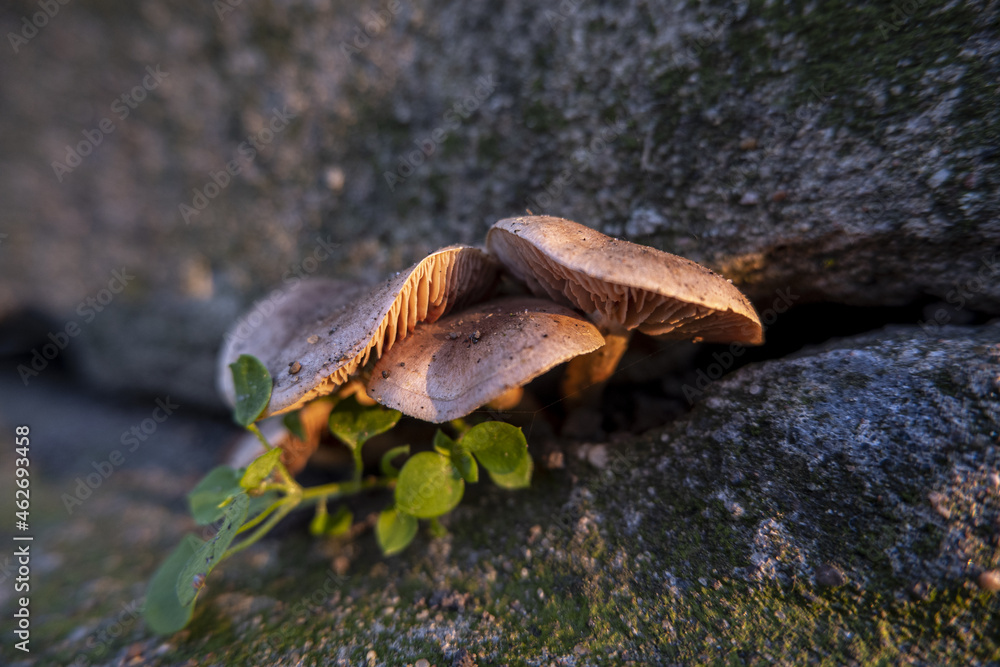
(289, 482)
(437, 530)
(296, 496)
(260, 436)
(338, 489)
(290, 503)
(359, 463)
(460, 426)
(260, 517)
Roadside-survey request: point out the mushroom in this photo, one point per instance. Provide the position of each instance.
(447, 369)
(622, 286)
(276, 321)
(314, 418)
(317, 338)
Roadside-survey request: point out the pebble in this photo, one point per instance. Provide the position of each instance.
(990, 580)
(554, 460)
(597, 456)
(937, 501)
(334, 178)
(938, 179)
(829, 576)
(750, 198)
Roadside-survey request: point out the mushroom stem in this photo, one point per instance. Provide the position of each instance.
(586, 375)
(507, 400)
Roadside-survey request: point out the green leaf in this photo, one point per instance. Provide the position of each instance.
(442, 443)
(464, 463)
(499, 447)
(519, 478)
(340, 522)
(437, 529)
(163, 610)
(293, 422)
(459, 455)
(388, 469)
(325, 524)
(206, 499)
(253, 389)
(355, 423)
(394, 531)
(260, 468)
(428, 486)
(204, 560)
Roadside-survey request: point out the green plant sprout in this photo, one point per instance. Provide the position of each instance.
(247, 503)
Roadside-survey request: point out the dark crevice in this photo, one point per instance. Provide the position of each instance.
(648, 390)
(659, 396)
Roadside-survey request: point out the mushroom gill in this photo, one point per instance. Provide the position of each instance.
(622, 286)
(312, 348)
(622, 283)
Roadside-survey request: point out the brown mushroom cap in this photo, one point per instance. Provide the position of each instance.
(315, 347)
(447, 369)
(277, 320)
(624, 284)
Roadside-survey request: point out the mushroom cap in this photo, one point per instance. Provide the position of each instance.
(631, 285)
(447, 369)
(278, 319)
(326, 342)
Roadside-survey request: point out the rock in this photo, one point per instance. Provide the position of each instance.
(867, 129)
(938, 178)
(828, 576)
(830, 465)
(854, 162)
(463, 658)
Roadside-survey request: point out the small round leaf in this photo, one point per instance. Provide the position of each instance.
(260, 468)
(499, 447)
(394, 531)
(163, 610)
(210, 553)
(465, 464)
(442, 443)
(332, 525)
(428, 486)
(218, 486)
(519, 478)
(355, 423)
(252, 384)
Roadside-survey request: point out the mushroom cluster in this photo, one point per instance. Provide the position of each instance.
(430, 342)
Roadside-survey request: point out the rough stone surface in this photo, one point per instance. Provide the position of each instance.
(841, 506)
(714, 539)
(845, 148)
